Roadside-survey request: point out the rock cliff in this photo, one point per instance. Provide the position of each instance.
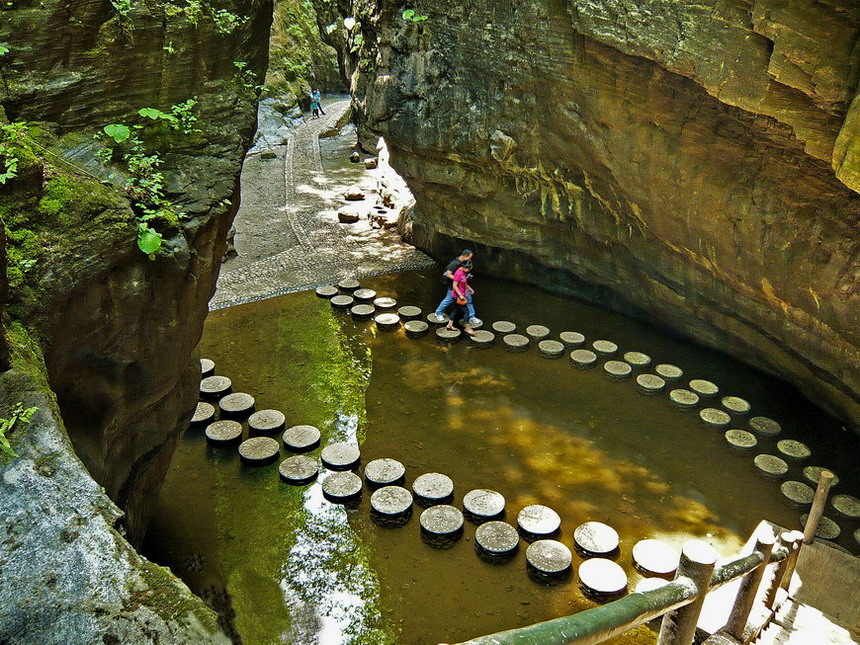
(695, 162)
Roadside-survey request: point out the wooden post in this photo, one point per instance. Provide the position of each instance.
(697, 563)
(789, 541)
(818, 503)
(792, 560)
(749, 587)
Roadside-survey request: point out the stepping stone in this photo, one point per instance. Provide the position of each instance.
(213, 388)
(340, 456)
(537, 332)
(236, 406)
(298, 470)
(847, 506)
(637, 359)
(477, 324)
(301, 438)
(655, 558)
(741, 440)
(481, 505)
(362, 311)
(827, 528)
(408, 312)
(793, 450)
(204, 414)
(765, 427)
(571, 339)
(516, 342)
(684, 399)
(813, 473)
(442, 521)
(797, 493)
(669, 372)
(650, 383)
(583, 358)
(416, 328)
(445, 335)
(348, 285)
(385, 303)
(364, 295)
(649, 584)
(602, 577)
(538, 521)
(224, 432)
(387, 322)
(327, 291)
(736, 405)
(504, 327)
(714, 418)
(549, 557)
(482, 338)
(342, 302)
(551, 348)
(595, 539)
(391, 502)
(617, 370)
(433, 488)
(703, 388)
(433, 319)
(771, 466)
(259, 451)
(604, 347)
(496, 541)
(266, 422)
(342, 487)
(385, 472)
(207, 367)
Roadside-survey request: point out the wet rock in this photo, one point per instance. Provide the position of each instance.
(348, 215)
(355, 157)
(354, 194)
(371, 163)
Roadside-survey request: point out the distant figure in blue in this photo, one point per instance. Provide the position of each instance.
(453, 265)
(315, 95)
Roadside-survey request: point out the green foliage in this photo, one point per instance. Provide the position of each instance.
(226, 22)
(411, 16)
(197, 10)
(122, 7)
(148, 239)
(4, 49)
(117, 131)
(169, 48)
(10, 138)
(19, 415)
(357, 42)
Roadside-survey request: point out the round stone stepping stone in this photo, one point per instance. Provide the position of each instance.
(736, 405)
(704, 388)
(342, 487)
(482, 504)
(571, 339)
(650, 383)
(537, 332)
(385, 303)
(604, 347)
(551, 348)
(503, 327)
(391, 501)
(266, 422)
(326, 291)
(538, 521)
(433, 488)
(714, 418)
(741, 440)
(477, 324)
(793, 450)
(441, 319)
(213, 388)
(348, 284)
(416, 328)
(362, 311)
(445, 335)
(684, 399)
(298, 470)
(771, 466)
(301, 438)
(595, 539)
(224, 432)
(617, 370)
(207, 367)
(496, 541)
(482, 338)
(637, 359)
(602, 577)
(204, 414)
(387, 322)
(765, 427)
(650, 584)
(237, 405)
(583, 358)
(549, 557)
(259, 451)
(442, 520)
(516, 342)
(340, 456)
(813, 473)
(408, 312)
(797, 493)
(827, 528)
(342, 302)
(364, 295)
(385, 472)
(655, 558)
(847, 506)
(669, 372)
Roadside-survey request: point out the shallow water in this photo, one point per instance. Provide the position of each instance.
(298, 570)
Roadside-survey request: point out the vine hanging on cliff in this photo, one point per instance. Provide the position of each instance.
(19, 415)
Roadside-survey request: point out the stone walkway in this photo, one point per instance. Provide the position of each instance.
(287, 232)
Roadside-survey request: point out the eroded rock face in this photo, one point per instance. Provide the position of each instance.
(696, 162)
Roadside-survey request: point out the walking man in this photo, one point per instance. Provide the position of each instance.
(453, 265)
